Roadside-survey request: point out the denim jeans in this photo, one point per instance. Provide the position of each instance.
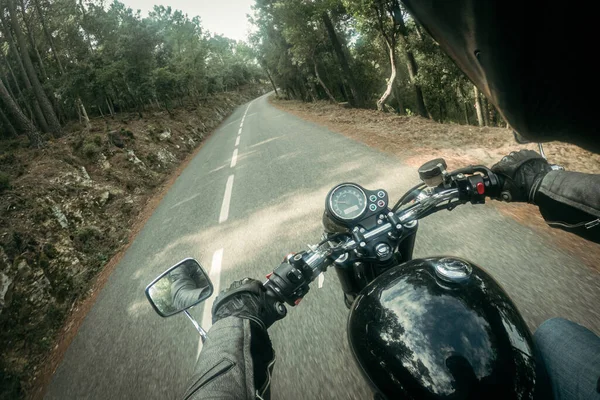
(571, 355)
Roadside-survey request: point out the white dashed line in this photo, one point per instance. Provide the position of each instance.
(237, 141)
(234, 158)
(240, 131)
(226, 200)
(215, 278)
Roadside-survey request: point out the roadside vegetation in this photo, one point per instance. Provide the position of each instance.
(98, 106)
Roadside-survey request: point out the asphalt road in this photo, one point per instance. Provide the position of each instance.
(283, 168)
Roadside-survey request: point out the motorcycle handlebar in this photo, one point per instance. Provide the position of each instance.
(289, 282)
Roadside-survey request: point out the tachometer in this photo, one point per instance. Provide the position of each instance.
(347, 201)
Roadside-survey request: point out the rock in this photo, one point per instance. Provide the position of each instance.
(191, 142)
(116, 192)
(5, 290)
(131, 157)
(60, 216)
(165, 157)
(23, 269)
(86, 176)
(116, 139)
(165, 135)
(103, 161)
(103, 199)
(129, 200)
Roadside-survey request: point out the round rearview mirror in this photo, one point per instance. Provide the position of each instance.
(180, 287)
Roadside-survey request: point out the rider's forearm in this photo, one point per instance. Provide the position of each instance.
(571, 201)
(233, 362)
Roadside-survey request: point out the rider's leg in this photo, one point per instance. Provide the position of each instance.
(571, 354)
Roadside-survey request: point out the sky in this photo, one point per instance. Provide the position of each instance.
(225, 17)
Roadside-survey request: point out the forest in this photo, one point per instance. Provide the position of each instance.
(364, 53)
(65, 60)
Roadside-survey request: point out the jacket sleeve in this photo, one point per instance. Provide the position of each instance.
(235, 363)
(571, 201)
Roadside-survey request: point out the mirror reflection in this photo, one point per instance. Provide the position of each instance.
(180, 287)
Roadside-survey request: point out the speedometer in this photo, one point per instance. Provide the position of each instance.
(347, 201)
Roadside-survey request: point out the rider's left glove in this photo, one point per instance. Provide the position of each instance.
(246, 299)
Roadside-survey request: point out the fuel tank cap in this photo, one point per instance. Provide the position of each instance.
(453, 270)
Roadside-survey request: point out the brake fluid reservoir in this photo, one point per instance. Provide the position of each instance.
(432, 172)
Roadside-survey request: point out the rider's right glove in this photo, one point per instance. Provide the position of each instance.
(246, 299)
(521, 174)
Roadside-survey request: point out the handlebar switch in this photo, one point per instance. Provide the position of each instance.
(477, 189)
(294, 275)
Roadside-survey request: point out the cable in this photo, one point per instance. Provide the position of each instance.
(407, 194)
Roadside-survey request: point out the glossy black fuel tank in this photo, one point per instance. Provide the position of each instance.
(418, 336)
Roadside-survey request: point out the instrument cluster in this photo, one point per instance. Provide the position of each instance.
(349, 203)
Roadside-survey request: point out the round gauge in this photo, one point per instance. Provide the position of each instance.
(347, 201)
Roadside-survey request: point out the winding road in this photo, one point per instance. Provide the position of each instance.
(254, 193)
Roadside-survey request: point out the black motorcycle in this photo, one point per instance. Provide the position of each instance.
(432, 328)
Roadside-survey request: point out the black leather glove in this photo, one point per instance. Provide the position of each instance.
(521, 174)
(246, 299)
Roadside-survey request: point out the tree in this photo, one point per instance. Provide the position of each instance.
(43, 101)
(478, 106)
(410, 63)
(380, 16)
(23, 122)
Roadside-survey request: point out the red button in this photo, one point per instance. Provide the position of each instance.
(298, 301)
(480, 188)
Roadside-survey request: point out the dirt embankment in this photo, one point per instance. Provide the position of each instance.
(67, 209)
(416, 140)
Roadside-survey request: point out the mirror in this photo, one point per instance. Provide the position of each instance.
(520, 139)
(180, 287)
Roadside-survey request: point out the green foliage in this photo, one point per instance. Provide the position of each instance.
(110, 58)
(291, 38)
(90, 150)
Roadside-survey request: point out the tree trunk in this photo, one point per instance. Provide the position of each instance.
(99, 106)
(484, 104)
(24, 124)
(399, 104)
(48, 36)
(32, 43)
(7, 125)
(392, 80)
(45, 104)
(356, 98)
(110, 110)
(86, 119)
(478, 107)
(272, 83)
(413, 69)
(10, 91)
(466, 110)
(325, 88)
(36, 110)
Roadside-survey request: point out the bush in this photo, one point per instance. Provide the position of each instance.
(90, 150)
(127, 133)
(87, 239)
(97, 139)
(4, 182)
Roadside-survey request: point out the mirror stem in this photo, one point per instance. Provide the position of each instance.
(201, 331)
(541, 147)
